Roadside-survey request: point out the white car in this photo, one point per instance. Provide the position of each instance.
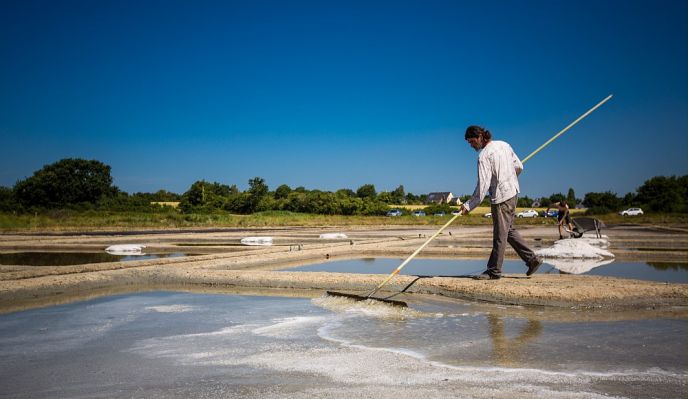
(456, 213)
(631, 212)
(530, 213)
(488, 215)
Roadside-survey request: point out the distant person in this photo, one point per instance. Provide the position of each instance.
(563, 216)
(498, 170)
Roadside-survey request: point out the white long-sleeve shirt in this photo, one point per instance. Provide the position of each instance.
(498, 170)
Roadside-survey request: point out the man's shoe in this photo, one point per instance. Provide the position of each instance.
(487, 276)
(533, 265)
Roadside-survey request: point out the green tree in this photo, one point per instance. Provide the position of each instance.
(282, 192)
(525, 202)
(398, 195)
(598, 203)
(629, 199)
(7, 201)
(203, 196)
(385, 197)
(664, 194)
(257, 191)
(366, 191)
(237, 203)
(412, 199)
(346, 192)
(571, 198)
(66, 182)
(557, 197)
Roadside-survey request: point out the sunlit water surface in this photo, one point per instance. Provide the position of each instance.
(654, 271)
(167, 344)
(76, 258)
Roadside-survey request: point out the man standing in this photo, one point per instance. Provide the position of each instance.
(498, 170)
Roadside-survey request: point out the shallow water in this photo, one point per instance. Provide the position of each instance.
(75, 258)
(168, 344)
(671, 272)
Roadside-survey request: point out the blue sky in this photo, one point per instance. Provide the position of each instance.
(337, 94)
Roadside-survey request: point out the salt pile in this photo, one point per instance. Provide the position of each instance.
(330, 236)
(125, 249)
(577, 255)
(257, 241)
(577, 248)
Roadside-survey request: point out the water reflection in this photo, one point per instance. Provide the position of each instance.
(74, 258)
(668, 266)
(506, 351)
(652, 271)
(577, 266)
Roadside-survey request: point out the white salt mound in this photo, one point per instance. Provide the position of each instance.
(257, 241)
(125, 249)
(577, 248)
(330, 236)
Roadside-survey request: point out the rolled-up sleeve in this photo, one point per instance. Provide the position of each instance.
(483, 185)
(518, 165)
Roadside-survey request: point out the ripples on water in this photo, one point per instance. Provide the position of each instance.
(190, 345)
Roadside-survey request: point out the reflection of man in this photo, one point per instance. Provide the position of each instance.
(498, 168)
(507, 351)
(563, 216)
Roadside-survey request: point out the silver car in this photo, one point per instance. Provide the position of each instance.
(631, 212)
(530, 213)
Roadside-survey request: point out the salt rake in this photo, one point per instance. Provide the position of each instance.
(413, 255)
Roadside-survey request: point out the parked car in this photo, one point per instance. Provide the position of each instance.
(457, 212)
(631, 212)
(418, 213)
(439, 214)
(551, 214)
(394, 212)
(488, 215)
(530, 213)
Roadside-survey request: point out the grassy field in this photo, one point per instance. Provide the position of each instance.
(100, 220)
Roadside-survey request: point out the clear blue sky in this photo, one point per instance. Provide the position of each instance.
(336, 94)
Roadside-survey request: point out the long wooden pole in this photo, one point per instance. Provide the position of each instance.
(417, 251)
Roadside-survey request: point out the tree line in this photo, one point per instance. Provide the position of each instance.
(87, 184)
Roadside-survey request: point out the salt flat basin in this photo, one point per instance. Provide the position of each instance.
(549, 290)
(172, 344)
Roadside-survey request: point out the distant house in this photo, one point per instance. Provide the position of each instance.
(439, 198)
(455, 201)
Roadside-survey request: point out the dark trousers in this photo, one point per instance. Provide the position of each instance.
(502, 233)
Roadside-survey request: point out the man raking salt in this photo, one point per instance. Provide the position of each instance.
(498, 170)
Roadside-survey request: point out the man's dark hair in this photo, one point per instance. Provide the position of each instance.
(477, 131)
